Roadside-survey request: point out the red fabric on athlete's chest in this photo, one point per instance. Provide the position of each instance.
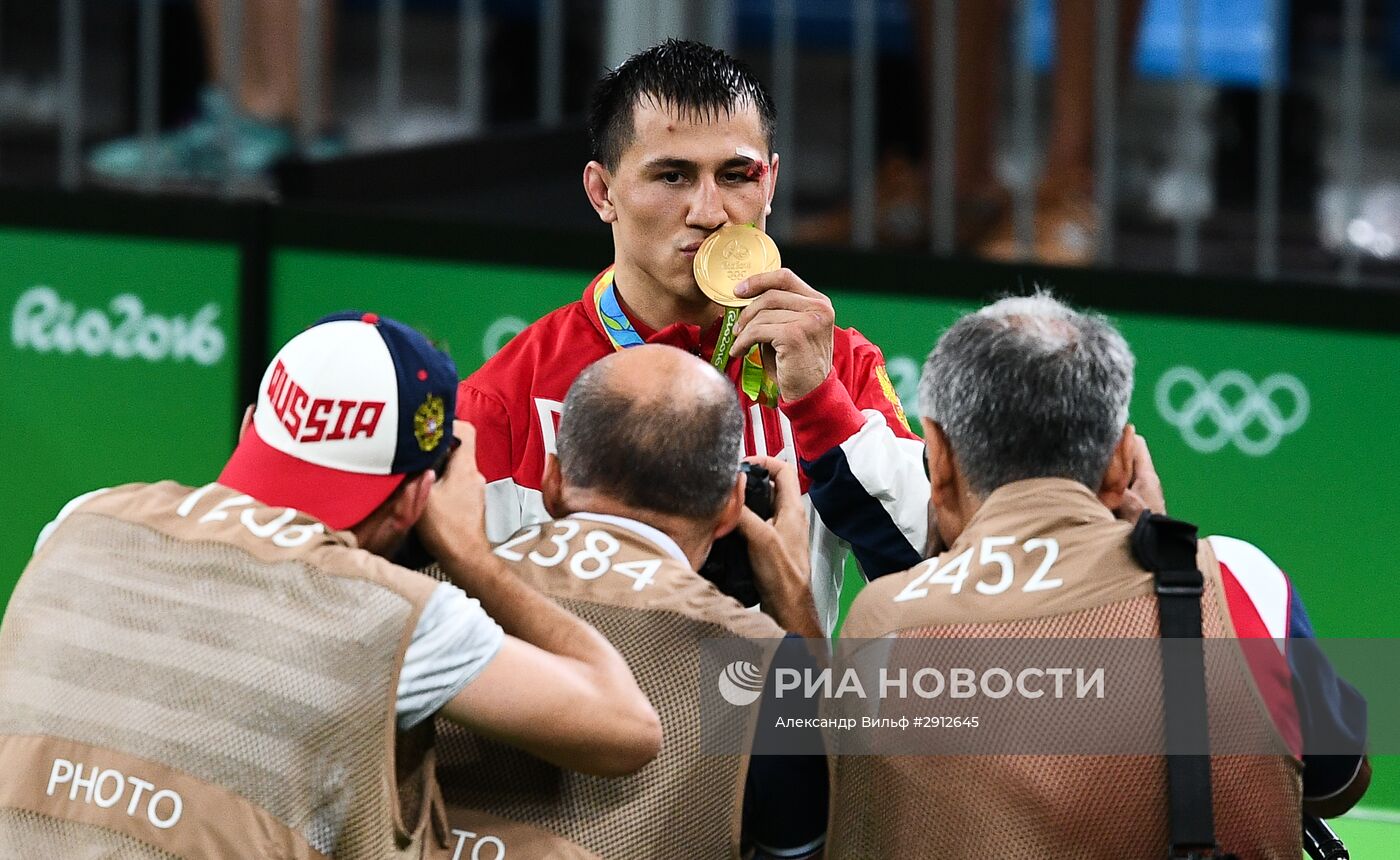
(519, 390)
(691, 338)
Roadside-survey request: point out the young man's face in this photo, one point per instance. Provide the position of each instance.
(678, 181)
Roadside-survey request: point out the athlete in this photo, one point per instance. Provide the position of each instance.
(622, 549)
(1025, 407)
(682, 146)
(236, 670)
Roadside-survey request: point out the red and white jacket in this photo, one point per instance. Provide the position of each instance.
(1320, 715)
(861, 467)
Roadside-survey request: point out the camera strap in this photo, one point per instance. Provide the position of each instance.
(1167, 547)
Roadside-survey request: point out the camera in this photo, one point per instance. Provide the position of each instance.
(728, 563)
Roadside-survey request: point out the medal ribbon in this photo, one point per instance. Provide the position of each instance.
(756, 383)
(616, 325)
(720, 358)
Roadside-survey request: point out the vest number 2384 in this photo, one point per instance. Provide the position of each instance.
(953, 572)
(590, 562)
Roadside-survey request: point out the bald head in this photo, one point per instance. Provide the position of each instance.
(655, 428)
(654, 374)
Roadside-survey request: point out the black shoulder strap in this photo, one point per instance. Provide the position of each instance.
(1167, 547)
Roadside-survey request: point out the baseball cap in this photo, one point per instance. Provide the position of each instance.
(346, 409)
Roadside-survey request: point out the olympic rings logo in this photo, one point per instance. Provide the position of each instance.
(1229, 407)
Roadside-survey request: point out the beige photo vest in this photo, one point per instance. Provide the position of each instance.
(655, 610)
(1027, 806)
(188, 673)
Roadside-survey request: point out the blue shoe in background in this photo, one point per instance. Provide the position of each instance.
(196, 153)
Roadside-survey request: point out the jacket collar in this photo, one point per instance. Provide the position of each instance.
(1039, 503)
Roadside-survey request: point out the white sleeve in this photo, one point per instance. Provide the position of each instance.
(510, 508)
(890, 469)
(63, 515)
(453, 642)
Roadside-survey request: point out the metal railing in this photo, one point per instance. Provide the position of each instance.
(632, 23)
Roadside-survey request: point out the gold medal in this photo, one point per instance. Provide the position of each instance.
(731, 255)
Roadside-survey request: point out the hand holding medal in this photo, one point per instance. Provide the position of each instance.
(739, 268)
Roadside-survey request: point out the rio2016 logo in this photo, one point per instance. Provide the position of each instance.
(740, 683)
(1232, 408)
(44, 322)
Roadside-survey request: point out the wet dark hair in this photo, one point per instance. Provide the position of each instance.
(698, 81)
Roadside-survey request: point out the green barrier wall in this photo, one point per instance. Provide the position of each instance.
(468, 309)
(1287, 444)
(1312, 497)
(120, 364)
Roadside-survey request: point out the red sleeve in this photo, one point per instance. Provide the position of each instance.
(831, 413)
(871, 387)
(492, 423)
(822, 418)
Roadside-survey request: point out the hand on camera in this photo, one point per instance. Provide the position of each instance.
(1144, 491)
(455, 518)
(779, 553)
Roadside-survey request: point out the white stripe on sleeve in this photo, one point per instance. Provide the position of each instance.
(510, 507)
(828, 559)
(1261, 579)
(891, 469)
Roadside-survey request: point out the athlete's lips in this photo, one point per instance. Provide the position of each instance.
(689, 250)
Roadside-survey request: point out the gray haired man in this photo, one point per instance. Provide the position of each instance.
(1030, 454)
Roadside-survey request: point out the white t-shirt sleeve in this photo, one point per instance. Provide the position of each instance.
(63, 515)
(453, 642)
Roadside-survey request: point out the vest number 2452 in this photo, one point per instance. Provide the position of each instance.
(990, 554)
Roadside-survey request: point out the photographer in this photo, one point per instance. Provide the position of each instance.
(238, 670)
(1030, 453)
(643, 484)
